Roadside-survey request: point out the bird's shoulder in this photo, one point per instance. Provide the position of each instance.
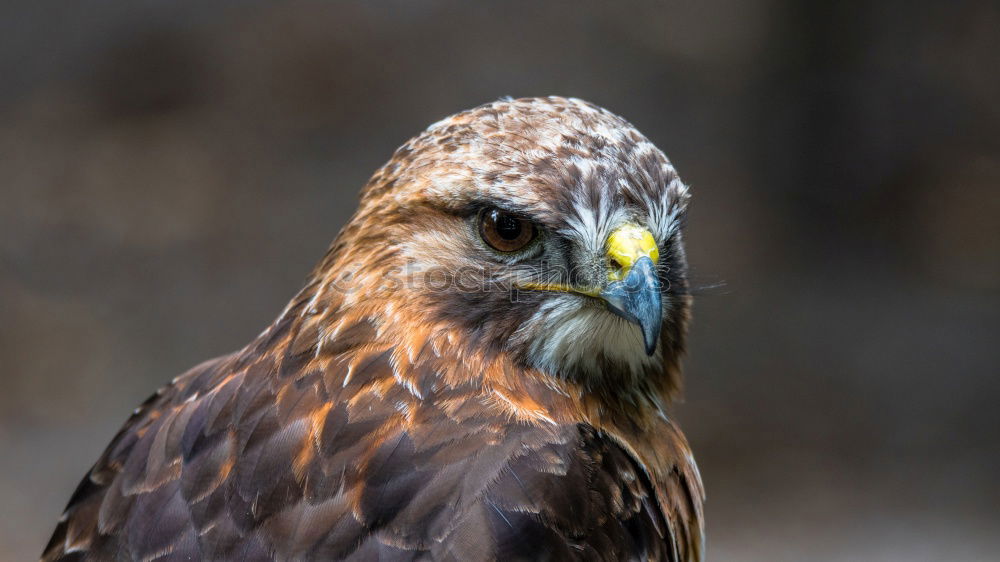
(261, 455)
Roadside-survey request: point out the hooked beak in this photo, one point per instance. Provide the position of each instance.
(637, 299)
(634, 290)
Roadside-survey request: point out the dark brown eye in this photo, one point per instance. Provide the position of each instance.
(505, 232)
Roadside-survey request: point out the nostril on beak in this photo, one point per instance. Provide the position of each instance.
(616, 267)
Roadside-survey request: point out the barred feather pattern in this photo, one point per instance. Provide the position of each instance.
(367, 425)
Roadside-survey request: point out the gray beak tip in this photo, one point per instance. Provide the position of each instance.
(650, 343)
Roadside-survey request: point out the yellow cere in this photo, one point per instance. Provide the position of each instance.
(626, 245)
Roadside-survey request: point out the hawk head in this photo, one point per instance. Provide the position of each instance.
(543, 233)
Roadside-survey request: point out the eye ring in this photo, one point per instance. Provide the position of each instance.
(506, 232)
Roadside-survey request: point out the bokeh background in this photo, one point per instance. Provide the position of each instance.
(171, 170)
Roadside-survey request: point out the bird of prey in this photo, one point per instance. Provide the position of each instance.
(478, 369)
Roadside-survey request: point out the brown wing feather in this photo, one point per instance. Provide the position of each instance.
(263, 455)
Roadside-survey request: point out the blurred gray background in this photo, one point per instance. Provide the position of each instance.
(171, 170)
